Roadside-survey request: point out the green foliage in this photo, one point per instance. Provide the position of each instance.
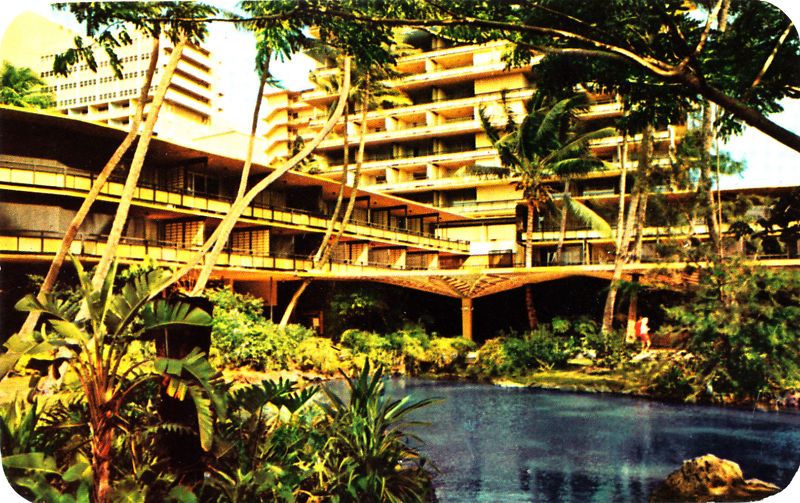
(105, 387)
(319, 354)
(270, 445)
(241, 335)
(364, 308)
(23, 88)
(742, 323)
(368, 458)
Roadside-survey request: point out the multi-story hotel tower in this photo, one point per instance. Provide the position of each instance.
(191, 104)
(424, 151)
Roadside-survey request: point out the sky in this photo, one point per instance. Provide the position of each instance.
(768, 162)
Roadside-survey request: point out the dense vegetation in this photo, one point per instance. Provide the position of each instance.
(242, 336)
(123, 420)
(742, 323)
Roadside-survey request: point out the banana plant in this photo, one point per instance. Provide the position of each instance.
(95, 334)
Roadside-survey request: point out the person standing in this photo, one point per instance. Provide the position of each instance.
(643, 332)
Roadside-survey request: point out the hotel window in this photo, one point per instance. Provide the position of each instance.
(200, 183)
(183, 233)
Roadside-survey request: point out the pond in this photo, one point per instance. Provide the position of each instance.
(520, 444)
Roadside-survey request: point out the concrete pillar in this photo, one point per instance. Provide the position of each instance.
(466, 318)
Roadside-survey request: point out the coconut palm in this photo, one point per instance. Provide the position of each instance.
(370, 91)
(21, 87)
(548, 143)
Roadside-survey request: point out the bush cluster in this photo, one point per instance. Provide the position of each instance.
(410, 348)
(241, 335)
(741, 320)
(551, 345)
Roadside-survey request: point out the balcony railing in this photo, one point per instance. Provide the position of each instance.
(39, 243)
(33, 174)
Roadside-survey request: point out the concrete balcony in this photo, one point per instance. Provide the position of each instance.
(180, 98)
(421, 159)
(192, 86)
(30, 177)
(421, 132)
(439, 105)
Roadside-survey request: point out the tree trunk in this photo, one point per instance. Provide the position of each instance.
(622, 256)
(351, 203)
(248, 160)
(623, 162)
(641, 221)
(348, 211)
(204, 276)
(287, 314)
(102, 441)
(131, 182)
(562, 235)
(706, 183)
(340, 196)
(633, 309)
(529, 234)
(220, 236)
(94, 191)
(530, 307)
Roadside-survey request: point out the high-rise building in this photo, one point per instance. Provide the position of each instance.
(191, 106)
(427, 150)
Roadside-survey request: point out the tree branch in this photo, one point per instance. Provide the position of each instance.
(771, 57)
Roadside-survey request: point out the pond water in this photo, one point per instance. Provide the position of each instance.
(519, 444)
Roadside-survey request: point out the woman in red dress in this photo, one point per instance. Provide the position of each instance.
(643, 333)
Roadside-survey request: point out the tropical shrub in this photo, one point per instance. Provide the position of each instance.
(367, 457)
(271, 446)
(743, 324)
(447, 354)
(492, 359)
(241, 335)
(319, 354)
(605, 348)
(104, 387)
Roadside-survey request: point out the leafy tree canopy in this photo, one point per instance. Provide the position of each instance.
(23, 88)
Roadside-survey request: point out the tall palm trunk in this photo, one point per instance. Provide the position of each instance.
(94, 191)
(348, 211)
(622, 255)
(641, 221)
(131, 182)
(220, 236)
(530, 307)
(248, 161)
(562, 235)
(351, 203)
(340, 196)
(204, 276)
(633, 309)
(706, 183)
(623, 163)
(529, 234)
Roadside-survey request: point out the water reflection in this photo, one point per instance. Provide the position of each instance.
(496, 444)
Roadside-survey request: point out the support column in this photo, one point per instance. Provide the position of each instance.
(466, 318)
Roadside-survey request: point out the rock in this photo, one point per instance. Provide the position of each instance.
(709, 478)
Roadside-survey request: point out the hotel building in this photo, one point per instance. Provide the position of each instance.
(191, 106)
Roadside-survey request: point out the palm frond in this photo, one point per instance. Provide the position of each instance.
(588, 216)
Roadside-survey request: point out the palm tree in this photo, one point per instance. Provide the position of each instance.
(548, 143)
(369, 89)
(21, 87)
(270, 42)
